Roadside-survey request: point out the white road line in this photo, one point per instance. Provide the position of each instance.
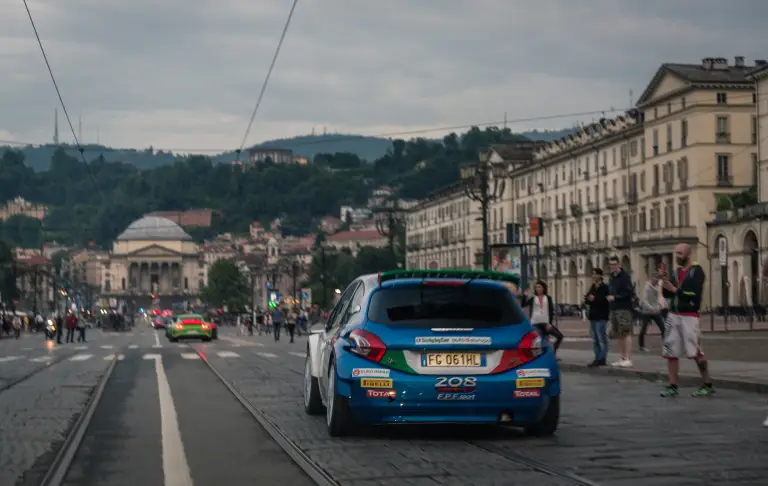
(109, 357)
(156, 346)
(133, 346)
(267, 355)
(81, 348)
(107, 346)
(227, 354)
(151, 356)
(42, 359)
(182, 345)
(175, 466)
(190, 355)
(81, 357)
(120, 357)
(300, 355)
(157, 340)
(6, 359)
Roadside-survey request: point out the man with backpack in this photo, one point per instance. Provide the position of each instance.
(621, 298)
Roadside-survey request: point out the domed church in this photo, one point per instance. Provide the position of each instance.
(153, 257)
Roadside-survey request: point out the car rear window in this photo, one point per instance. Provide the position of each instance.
(463, 306)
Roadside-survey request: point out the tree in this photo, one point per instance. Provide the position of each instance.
(227, 285)
(8, 290)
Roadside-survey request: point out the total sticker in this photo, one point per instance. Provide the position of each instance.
(534, 373)
(370, 372)
(527, 393)
(380, 393)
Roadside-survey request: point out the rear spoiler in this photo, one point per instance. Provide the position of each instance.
(449, 275)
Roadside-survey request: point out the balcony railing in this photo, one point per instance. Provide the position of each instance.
(561, 213)
(611, 203)
(620, 241)
(666, 234)
(723, 137)
(631, 198)
(724, 180)
(592, 206)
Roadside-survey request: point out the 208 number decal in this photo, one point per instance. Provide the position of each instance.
(456, 382)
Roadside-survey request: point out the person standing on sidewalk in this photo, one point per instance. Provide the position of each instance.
(652, 305)
(682, 334)
(621, 296)
(542, 312)
(598, 313)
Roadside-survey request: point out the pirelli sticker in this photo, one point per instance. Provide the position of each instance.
(529, 383)
(376, 383)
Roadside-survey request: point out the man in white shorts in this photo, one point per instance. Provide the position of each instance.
(682, 335)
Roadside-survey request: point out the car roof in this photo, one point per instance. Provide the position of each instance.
(417, 281)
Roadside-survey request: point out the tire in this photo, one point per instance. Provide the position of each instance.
(337, 416)
(548, 424)
(173, 340)
(313, 404)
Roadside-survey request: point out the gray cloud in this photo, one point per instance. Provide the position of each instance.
(186, 73)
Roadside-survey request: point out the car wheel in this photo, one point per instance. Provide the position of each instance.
(337, 409)
(549, 422)
(313, 404)
(173, 340)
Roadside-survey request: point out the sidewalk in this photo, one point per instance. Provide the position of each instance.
(738, 375)
(574, 326)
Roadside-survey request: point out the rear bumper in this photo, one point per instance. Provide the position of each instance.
(190, 334)
(417, 400)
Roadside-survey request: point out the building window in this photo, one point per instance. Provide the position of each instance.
(669, 214)
(755, 170)
(682, 212)
(655, 142)
(754, 129)
(722, 98)
(122, 284)
(107, 286)
(682, 103)
(723, 168)
(186, 283)
(655, 113)
(683, 133)
(669, 108)
(669, 137)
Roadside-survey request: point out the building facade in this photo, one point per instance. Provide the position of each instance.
(636, 185)
(153, 256)
(744, 227)
(22, 207)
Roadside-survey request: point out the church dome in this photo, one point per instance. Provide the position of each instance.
(154, 228)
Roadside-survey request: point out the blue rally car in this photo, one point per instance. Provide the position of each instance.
(431, 346)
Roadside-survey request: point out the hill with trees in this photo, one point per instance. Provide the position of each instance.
(94, 203)
(364, 147)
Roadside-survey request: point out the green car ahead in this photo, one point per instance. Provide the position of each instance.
(189, 326)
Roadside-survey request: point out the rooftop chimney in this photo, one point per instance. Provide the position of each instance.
(719, 64)
(760, 62)
(706, 63)
(738, 61)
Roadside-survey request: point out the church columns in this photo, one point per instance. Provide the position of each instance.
(158, 277)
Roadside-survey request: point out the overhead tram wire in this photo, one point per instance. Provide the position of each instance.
(269, 75)
(61, 99)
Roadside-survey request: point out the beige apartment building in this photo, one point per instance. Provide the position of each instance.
(638, 184)
(442, 230)
(743, 226)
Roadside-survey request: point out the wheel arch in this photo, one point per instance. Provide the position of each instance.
(313, 352)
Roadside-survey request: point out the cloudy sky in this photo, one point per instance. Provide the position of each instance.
(185, 74)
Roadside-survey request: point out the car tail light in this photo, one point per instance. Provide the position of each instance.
(179, 326)
(367, 345)
(204, 326)
(529, 348)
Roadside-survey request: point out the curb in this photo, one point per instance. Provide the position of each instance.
(686, 379)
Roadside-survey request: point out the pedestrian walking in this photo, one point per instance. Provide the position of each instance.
(59, 327)
(80, 323)
(277, 321)
(598, 313)
(541, 309)
(621, 299)
(290, 322)
(71, 325)
(652, 306)
(682, 334)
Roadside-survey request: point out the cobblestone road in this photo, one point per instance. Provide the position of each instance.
(614, 432)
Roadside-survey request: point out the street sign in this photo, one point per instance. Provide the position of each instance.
(722, 251)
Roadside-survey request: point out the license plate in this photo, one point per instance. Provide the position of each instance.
(453, 360)
(191, 332)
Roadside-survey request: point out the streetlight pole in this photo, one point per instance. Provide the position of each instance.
(484, 182)
(389, 218)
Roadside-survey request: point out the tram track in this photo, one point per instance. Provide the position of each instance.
(43, 367)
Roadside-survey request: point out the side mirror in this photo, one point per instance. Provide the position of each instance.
(318, 328)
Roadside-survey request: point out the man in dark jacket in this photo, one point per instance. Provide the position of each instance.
(682, 335)
(599, 311)
(622, 294)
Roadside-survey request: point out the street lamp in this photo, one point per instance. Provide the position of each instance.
(484, 182)
(389, 218)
